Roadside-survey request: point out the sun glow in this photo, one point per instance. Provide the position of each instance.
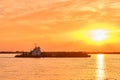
(97, 34)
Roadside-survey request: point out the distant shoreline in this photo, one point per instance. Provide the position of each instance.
(19, 52)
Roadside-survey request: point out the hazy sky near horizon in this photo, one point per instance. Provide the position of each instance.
(49, 23)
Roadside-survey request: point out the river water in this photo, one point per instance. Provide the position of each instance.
(97, 67)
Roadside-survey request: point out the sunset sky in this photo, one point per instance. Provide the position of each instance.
(60, 25)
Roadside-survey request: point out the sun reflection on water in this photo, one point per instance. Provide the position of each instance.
(100, 67)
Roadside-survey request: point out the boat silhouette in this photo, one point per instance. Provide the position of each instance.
(36, 52)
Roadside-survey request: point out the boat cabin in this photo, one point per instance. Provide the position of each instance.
(36, 51)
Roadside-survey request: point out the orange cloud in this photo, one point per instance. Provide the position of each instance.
(29, 21)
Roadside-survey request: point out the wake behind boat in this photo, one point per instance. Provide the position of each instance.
(36, 52)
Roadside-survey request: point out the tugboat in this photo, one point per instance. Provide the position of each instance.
(36, 52)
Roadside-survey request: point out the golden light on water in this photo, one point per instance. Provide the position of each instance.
(100, 74)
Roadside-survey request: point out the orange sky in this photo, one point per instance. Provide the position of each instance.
(50, 23)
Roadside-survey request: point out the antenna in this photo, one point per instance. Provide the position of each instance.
(35, 45)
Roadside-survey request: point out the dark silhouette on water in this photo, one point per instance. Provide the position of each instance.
(36, 52)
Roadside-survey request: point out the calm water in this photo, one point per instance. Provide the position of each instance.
(97, 67)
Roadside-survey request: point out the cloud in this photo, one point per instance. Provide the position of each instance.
(55, 12)
(28, 19)
(58, 10)
(14, 8)
(49, 15)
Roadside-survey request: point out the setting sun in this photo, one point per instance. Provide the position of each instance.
(99, 35)
(59, 39)
(60, 25)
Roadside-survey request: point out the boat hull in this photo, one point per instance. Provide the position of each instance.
(56, 54)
